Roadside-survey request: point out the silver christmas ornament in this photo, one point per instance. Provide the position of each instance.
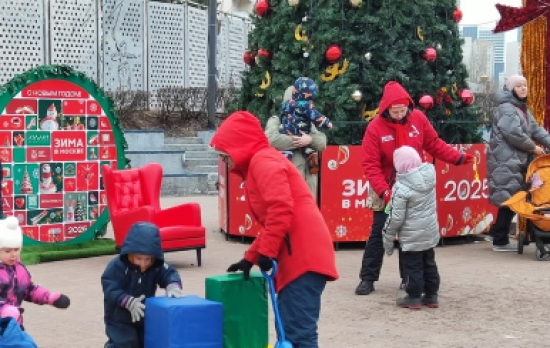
(368, 56)
(449, 72)
(357, 95)
(438, 46)
(306, 54)
(304, 19)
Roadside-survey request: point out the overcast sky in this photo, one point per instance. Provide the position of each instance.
(476, 12)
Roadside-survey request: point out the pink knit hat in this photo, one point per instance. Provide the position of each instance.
(406, 159)
(513, 80)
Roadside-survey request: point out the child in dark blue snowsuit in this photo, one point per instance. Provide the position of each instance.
(131, 277)
(298, 113)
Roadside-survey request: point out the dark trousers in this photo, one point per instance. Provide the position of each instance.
(374, 250)
(299, 306)
(421, 275)
(500, 231)
(124, 335)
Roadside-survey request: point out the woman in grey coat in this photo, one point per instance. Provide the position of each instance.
(512, 145)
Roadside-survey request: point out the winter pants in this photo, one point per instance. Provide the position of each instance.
(500, 230)
(374, 250)
(299, 306)
(421, 275)
(124, 335)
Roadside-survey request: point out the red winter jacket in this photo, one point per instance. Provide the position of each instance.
(293, 229)
(379, 140)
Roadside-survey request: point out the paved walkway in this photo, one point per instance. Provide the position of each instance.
(488, 299)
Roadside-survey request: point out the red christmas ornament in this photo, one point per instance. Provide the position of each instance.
(431, 54)
(333, 53)
(248, 57)
(457, 14)
(261, 8)
(264, 53)
(466, 96)
(426, 101)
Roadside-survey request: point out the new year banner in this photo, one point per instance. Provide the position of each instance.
(55, 137)
(463, 207)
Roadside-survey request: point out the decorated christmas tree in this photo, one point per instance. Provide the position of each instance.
(352, 48)
(79, 213)
(26, 185)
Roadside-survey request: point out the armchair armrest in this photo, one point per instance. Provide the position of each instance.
(123, 221)
(188, 214)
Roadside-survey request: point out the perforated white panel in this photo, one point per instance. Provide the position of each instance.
(222, 50)
(238, 41)
(166, 38)
(196, 47)
(21, 37)
(73, 35)
(123, 45)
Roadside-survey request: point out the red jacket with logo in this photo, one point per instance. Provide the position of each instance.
(379, 141)
(293, 229)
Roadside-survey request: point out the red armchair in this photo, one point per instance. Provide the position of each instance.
(133, 195)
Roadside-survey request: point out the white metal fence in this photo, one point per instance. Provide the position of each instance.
(121, 44)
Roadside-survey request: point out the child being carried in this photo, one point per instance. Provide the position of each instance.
(297, 115)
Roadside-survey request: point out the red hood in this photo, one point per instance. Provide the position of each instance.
(392, 91)
(240, 136)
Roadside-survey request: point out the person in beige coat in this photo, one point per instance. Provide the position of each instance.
(283, 142)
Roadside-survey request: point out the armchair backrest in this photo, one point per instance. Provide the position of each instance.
(129, 189)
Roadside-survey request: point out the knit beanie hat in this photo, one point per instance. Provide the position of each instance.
(400, 103)
(513, 80)
(406, 159)
(10, 233)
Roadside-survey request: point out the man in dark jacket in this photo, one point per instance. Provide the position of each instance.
(131, 277)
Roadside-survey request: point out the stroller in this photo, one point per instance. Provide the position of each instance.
(533, 204)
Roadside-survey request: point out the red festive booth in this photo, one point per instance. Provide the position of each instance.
(462, 193)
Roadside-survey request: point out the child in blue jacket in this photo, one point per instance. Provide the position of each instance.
(131, 277)
(297, 115)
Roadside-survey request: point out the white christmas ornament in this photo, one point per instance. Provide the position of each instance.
(293, 2)
(357, 95)
(304, 19)
(438, 46)
(368, 56)
(306, 54)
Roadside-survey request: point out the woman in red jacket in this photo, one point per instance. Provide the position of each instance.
(293, 229)
(398, 123)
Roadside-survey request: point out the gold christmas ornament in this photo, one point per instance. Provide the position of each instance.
(293, 2)
(369, 115)
(419, 33)
(356, 3)
(332, 71)
(266, 82)
(357, 95)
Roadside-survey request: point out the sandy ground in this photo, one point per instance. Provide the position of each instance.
(487, 299)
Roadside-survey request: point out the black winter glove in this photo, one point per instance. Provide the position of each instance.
(244, 266)
(265, 263)
(62, 302)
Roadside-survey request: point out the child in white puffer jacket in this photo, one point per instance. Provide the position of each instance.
(413, 218)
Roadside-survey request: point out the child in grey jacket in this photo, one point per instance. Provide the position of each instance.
(413, 217)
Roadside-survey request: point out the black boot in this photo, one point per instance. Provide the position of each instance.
(364, 288)
(430, 301)
(409, 302)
